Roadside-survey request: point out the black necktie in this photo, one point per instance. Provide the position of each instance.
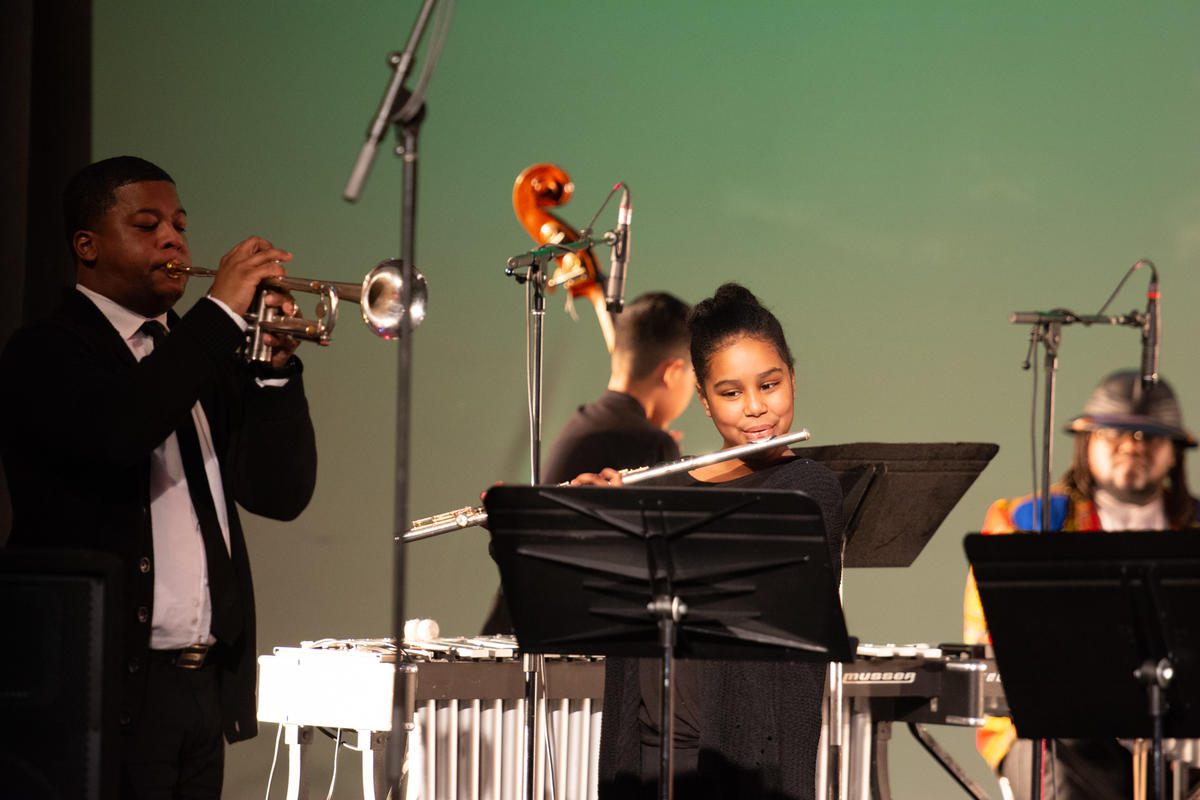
(222, 589)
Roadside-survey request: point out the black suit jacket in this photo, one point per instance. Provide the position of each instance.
(79, 419)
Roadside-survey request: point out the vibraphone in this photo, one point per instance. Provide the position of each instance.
(469, 721)
(470, 715)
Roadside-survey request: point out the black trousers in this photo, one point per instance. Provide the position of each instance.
(176, 752)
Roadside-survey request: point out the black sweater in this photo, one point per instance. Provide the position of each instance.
(756, 723)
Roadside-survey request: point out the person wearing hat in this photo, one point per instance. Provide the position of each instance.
(1127, 473)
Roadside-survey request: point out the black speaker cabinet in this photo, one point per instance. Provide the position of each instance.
(59, 683)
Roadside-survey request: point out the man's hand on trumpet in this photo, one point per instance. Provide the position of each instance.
(241, 270)
(282, 346)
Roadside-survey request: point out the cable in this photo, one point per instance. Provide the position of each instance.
(337, 750)
(358, 748)
(1033, 417)
(1140, 263)
(530, 365)
(437, 40)
(274, 759)
(587, 231)
(549, 722)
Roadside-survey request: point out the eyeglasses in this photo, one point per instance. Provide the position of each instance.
(1115, 435)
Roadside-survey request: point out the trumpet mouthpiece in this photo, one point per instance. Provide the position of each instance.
(177, 268)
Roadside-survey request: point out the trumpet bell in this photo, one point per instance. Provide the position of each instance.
(382, 302)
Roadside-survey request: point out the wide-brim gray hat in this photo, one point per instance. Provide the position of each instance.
(1120, 402)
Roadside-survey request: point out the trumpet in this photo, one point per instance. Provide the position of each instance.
(378, 296)
(471, 516)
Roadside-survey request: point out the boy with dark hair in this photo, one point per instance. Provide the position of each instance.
(650, 383)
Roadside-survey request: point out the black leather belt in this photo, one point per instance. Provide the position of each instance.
(194, 657)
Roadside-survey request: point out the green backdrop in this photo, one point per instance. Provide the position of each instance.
(892, 179)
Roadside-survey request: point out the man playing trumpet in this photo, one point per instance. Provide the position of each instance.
(127, 428)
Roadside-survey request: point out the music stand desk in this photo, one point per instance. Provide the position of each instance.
(1072, 615)
(1083, 625)
(897, 494)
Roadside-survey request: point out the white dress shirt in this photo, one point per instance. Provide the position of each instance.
(1118, 516)
(182, 609)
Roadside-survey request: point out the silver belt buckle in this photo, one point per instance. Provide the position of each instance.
(192, 657)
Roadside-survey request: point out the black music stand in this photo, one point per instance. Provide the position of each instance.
(1095, 633)
(690, 573)
(896, 495)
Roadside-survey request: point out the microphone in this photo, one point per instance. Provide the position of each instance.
(394, 97)
(614, 294)
(1151, 329)
(358, 175)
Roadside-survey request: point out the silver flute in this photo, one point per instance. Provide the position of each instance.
(471, 516)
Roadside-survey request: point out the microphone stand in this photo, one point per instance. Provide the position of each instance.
(1048, 332)
(408, 127)
(1050, 335)
(530, 269)
(408, 131)
(534, 277)
(401, 717)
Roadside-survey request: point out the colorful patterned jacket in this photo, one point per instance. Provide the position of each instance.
(1069, 511)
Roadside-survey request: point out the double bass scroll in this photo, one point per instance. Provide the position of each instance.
(543, 186)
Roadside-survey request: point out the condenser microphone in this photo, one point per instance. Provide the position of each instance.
(1151, 329)
(614, 295)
